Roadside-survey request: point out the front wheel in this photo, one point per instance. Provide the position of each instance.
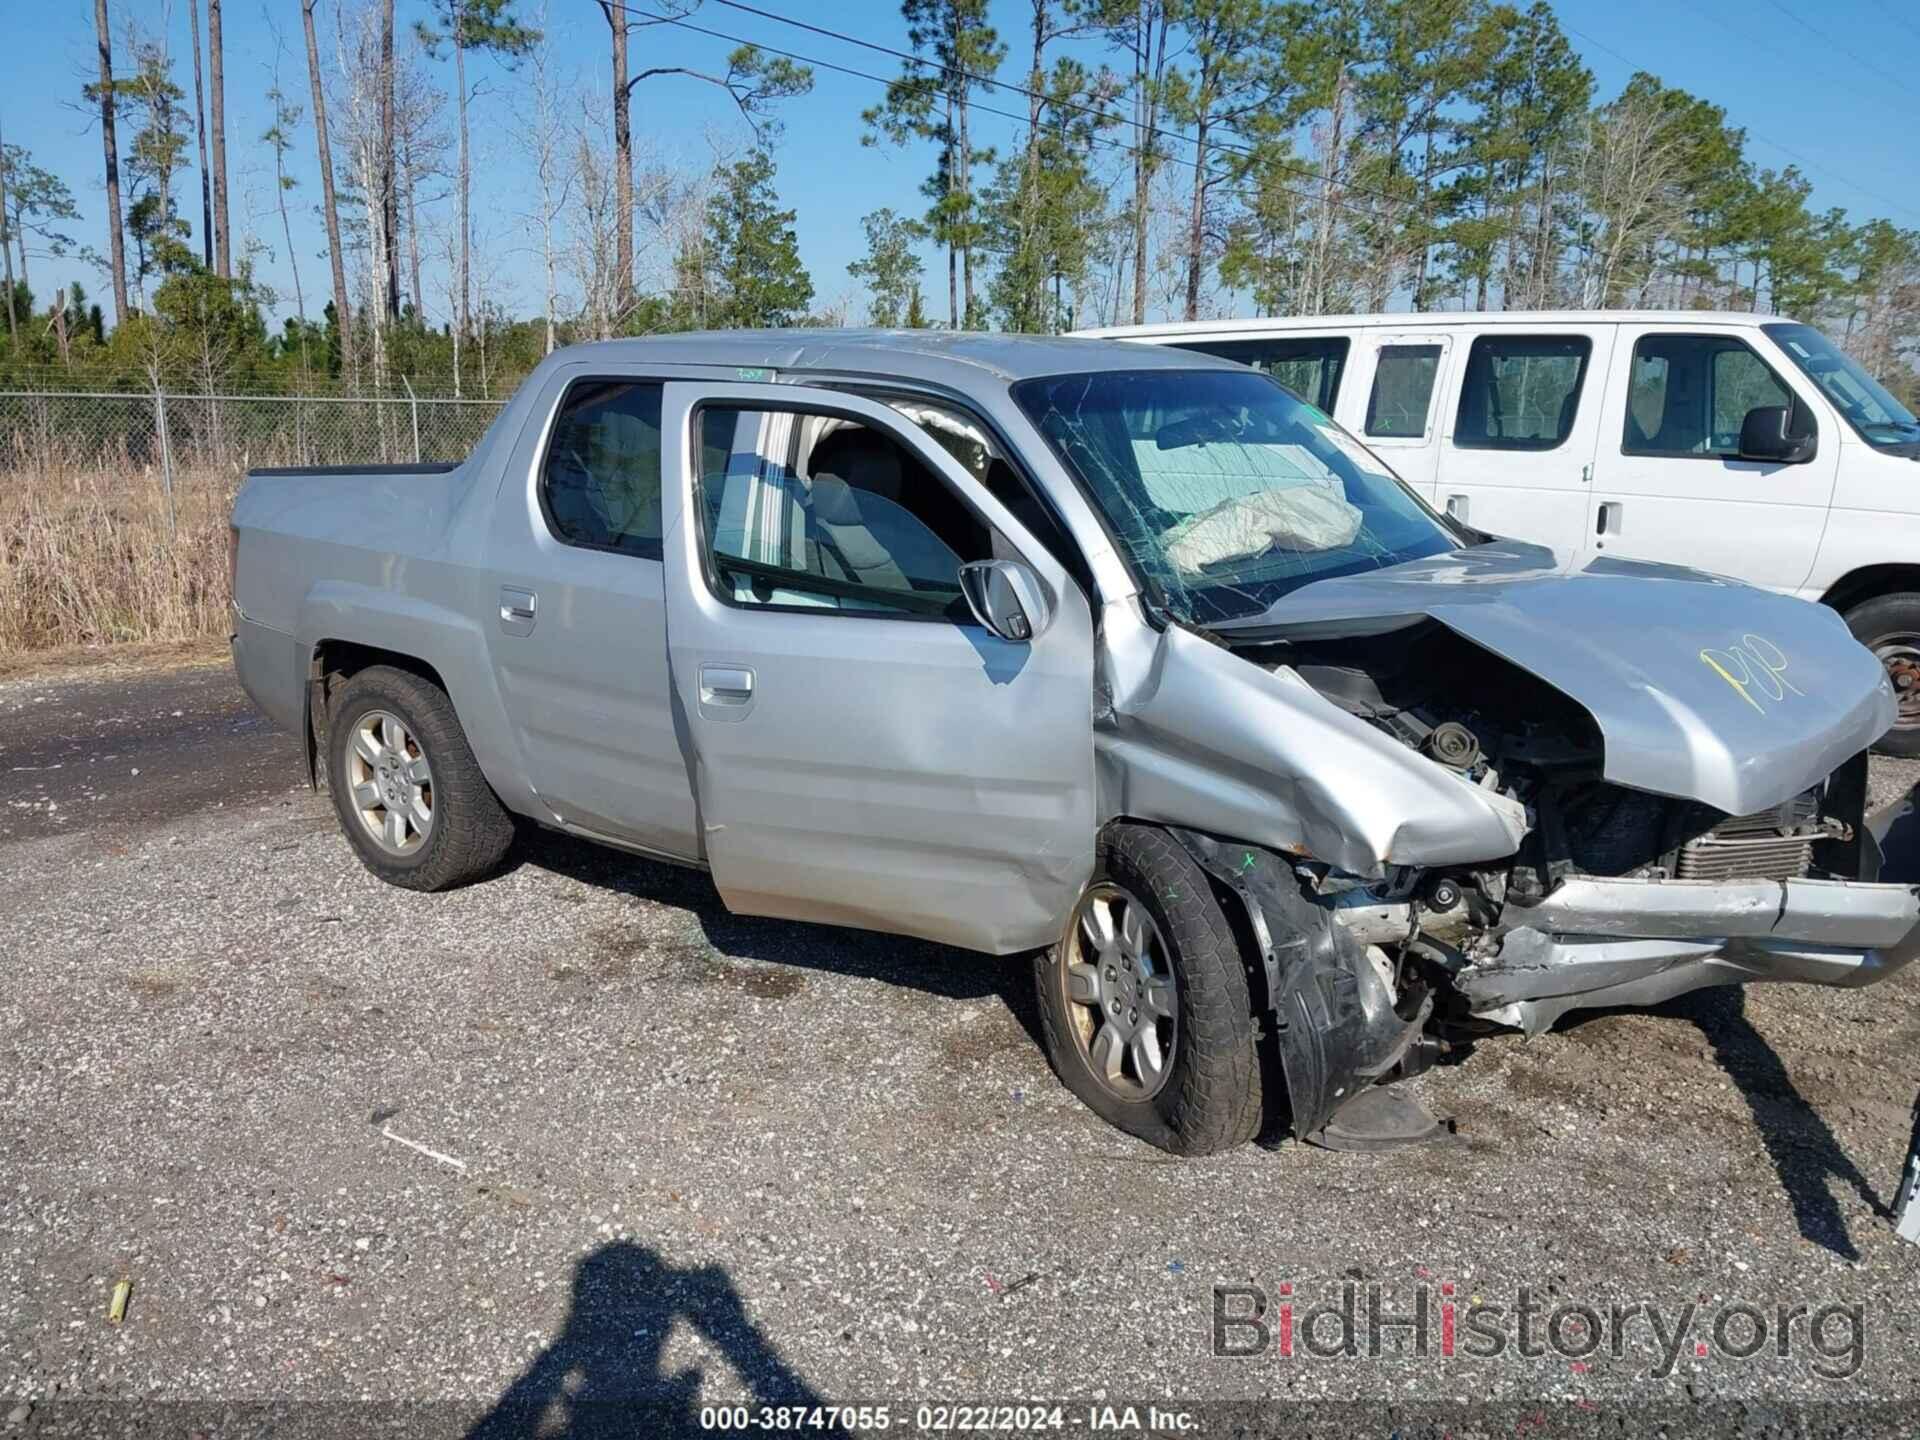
(1890, 627)
(1144, 1002)
(408, 791)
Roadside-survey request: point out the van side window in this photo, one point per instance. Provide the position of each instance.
(1689, 394)
(600, 481)
(1402, 391)
(812, 511)
(1521, 392)
(1309, 366)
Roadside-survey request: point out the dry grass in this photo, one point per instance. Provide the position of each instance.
(89, 557)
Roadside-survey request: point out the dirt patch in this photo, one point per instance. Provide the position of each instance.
(153, 984)
(979, 1040)
(620, 954)
(79, 662)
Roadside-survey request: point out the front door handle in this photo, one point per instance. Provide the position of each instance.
(517, 610)
(1457, 507)
(1606, 519)
(725, 684)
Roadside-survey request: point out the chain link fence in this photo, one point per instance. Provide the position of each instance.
(172, 431)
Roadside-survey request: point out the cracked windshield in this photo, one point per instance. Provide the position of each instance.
(1225, 489)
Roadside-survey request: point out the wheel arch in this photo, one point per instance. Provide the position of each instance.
(330, 664)
(1871, 582)
(344, 627)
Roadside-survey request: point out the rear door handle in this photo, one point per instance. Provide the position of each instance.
(725, 684)
(1457, 507)
(1606, 519)
(518, 609)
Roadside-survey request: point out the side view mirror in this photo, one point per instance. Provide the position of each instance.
(1007, 598)
(1767, 434)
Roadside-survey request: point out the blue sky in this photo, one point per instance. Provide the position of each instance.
(1831, 82)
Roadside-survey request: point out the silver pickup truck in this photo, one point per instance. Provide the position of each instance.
(1122, 656)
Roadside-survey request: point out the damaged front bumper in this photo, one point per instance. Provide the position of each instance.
(1607, 942)
(1341, 1025)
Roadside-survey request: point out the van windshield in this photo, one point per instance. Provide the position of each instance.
(1864, 401)
(1225, 489)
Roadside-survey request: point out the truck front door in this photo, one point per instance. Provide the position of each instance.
(865, 753)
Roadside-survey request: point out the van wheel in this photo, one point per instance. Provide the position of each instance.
(408, 791)
(1890, 627)
(1144, 1003)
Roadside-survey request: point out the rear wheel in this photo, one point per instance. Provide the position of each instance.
(409, 793)
(1144, 1001)
(1890, 627)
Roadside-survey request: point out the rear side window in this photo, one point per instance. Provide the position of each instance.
(600, 481)
(1402, 391)
(1309, 366)
(1689, 395)
(1521, 392)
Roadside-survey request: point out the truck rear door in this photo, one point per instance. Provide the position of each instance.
(864, 752)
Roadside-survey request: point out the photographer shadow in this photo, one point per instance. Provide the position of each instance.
(605, 1376)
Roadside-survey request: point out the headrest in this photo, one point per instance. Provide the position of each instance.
(861, 459)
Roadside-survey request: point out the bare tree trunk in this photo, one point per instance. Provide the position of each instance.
(200, 134)
(217, 116)
(1029, 216)
(954, 321)
(466, 177)
(622, 160)
(6, 250)
(966, 208)
(343, 315)
(1197, 218)
(389, 200)
(1150, 65)
(111, 150)
(286, 229)
(413, 239)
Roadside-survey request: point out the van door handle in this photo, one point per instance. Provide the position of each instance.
(1457, 507)
(1607, 518)
(517, 610)
(725, 684)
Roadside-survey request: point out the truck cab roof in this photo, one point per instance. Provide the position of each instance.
(960, 359)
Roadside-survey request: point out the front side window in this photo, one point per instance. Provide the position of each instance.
(1309, 366)
(1403, 379)
(812, 511)
(600, 481)
(1521, 392)
(1224, 489)
(1688, 395)
(1876, 416)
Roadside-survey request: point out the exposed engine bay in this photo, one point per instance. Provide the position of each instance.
(1441, 943)
(1504, 729)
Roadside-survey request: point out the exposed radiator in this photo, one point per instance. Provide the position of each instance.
(1775, 844)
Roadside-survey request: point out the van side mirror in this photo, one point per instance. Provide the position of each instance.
(1006, 597)
(1768, 434)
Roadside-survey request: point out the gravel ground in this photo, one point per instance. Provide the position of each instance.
(578, 1134)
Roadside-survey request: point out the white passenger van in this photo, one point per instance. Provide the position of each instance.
(1745, 445)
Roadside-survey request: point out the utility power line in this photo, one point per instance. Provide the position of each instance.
(975, 105)
(1304, 171)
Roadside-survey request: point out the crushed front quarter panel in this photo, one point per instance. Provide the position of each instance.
(1190, 734)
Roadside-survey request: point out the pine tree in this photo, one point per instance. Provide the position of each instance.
(750, 273)
(890, 268)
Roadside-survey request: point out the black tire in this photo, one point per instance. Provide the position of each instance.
(1210, 1099)
(470, 831)
(1890, 627)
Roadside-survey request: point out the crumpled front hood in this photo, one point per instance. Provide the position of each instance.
(1703, 688)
